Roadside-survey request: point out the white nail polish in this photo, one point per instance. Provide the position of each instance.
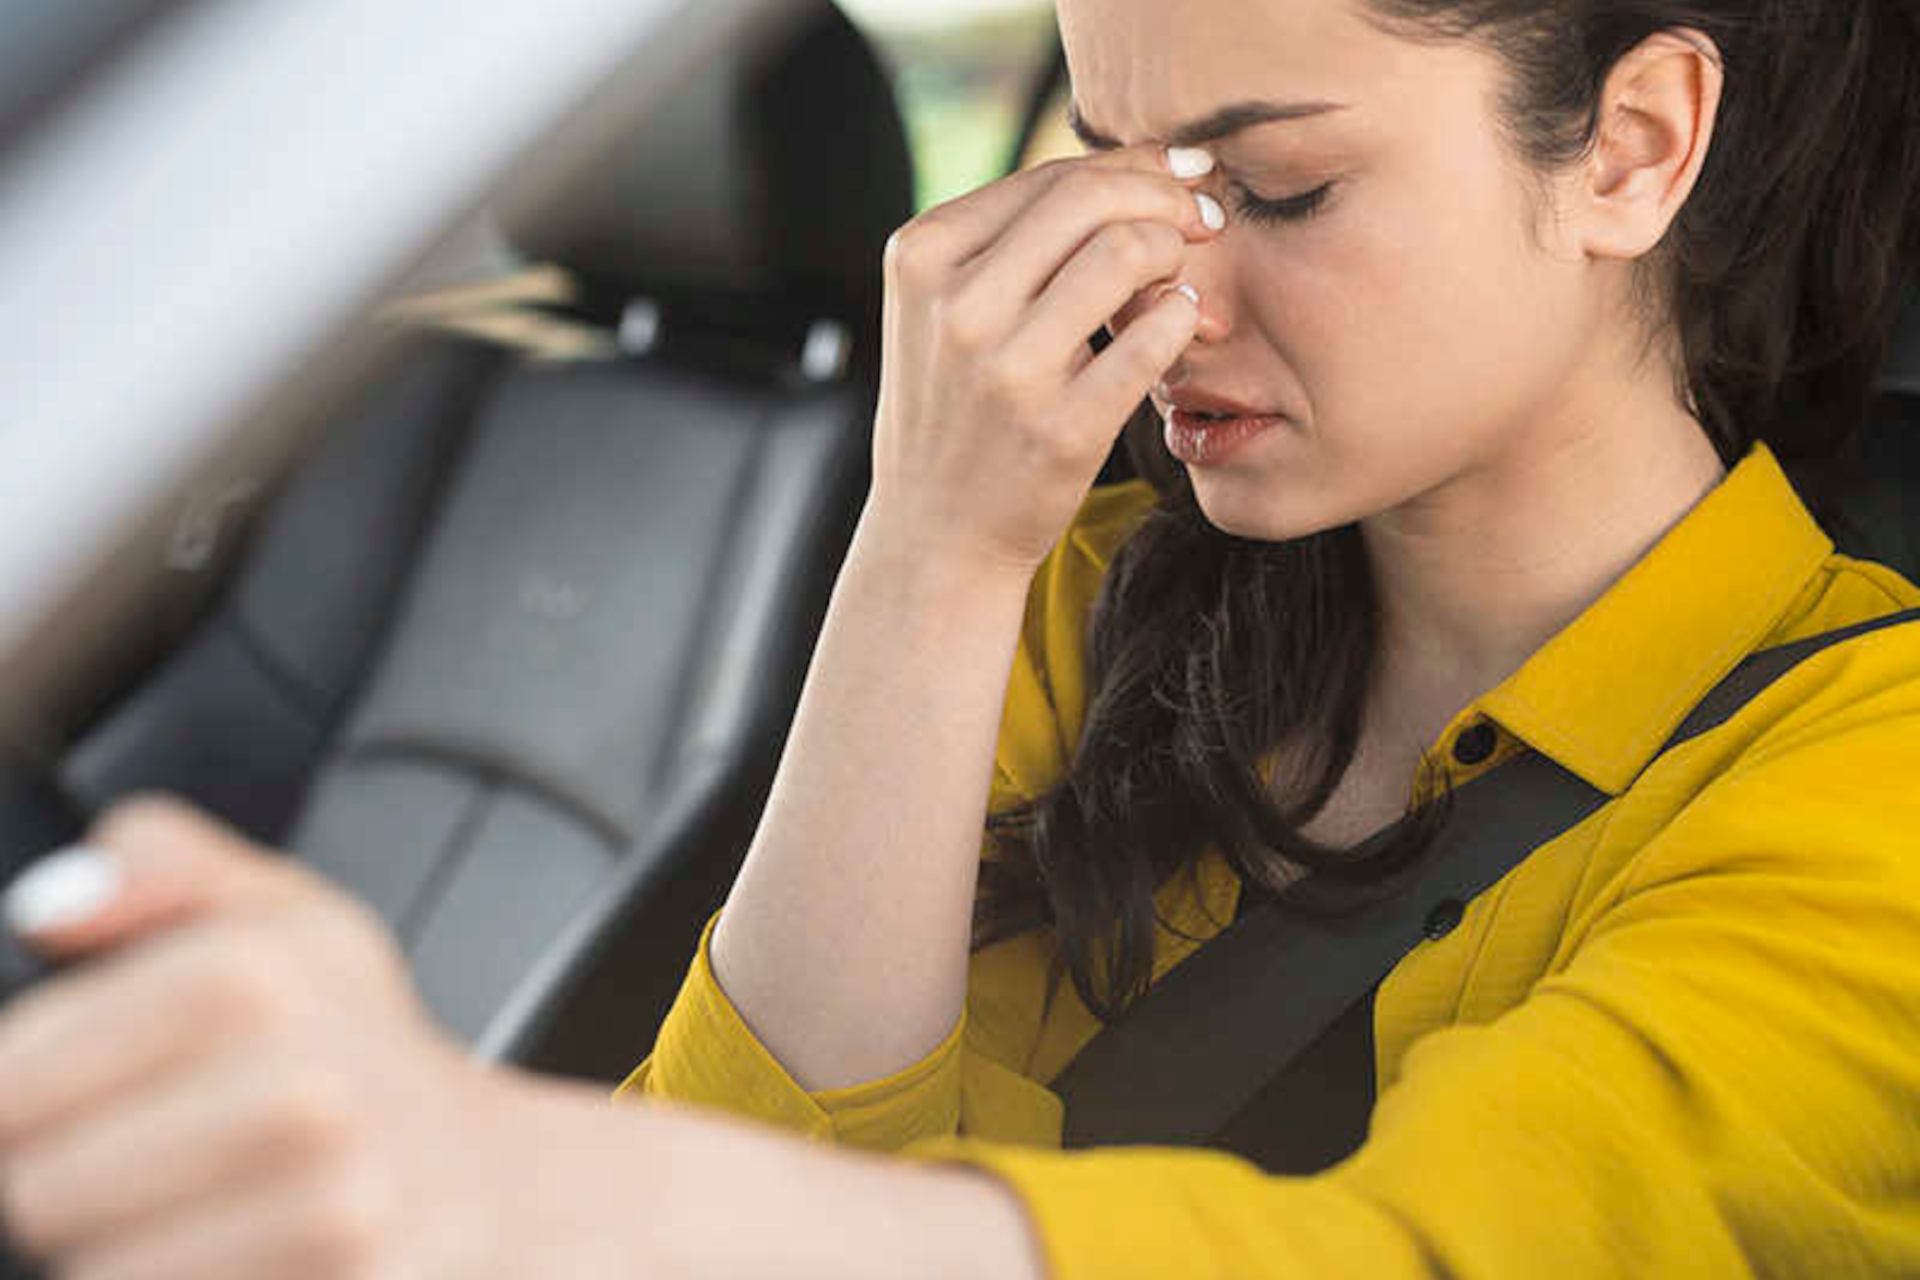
(1210, 211)
(61, 889)
(1189, 162)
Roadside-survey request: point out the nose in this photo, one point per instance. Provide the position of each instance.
(1207, 269)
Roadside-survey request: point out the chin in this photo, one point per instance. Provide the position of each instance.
(1264, 508)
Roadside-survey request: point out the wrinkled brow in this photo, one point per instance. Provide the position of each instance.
(1219, 124)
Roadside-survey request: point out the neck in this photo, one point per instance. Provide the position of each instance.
(1475, 575)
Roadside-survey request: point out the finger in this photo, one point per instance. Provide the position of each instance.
(1113, 383)
(951, 233)
(326, 1227)
(1016, 271)
(1120, 260)
(148, 864)
(163, 1006)
(193, 1134)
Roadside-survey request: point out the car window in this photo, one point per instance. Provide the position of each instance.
(964, 71)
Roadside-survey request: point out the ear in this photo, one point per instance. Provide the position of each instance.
(1657, 112)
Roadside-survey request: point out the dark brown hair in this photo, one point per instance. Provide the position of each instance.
(1781, 276)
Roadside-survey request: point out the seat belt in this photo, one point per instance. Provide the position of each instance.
(1281, 991)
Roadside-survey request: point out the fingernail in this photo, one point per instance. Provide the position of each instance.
(1193, 294)
(1210, 211)
(1189, 162)
(61, 889)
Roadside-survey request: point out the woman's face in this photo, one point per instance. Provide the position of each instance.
(1424, 319)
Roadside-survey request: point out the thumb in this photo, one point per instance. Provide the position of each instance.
(146, 865)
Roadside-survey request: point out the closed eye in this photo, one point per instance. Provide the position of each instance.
(1298, 208)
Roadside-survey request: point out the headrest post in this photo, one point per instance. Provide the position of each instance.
(639, 327)
(823, 358)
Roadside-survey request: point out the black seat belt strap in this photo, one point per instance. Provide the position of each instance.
(1186, 1059)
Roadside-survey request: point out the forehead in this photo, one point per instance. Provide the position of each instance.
(1140, 67)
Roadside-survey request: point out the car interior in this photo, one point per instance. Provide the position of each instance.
(511, 652)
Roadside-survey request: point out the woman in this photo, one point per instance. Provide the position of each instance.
(1513, 304)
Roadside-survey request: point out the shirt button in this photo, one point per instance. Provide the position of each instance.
(1444, 917)
(1476, 742)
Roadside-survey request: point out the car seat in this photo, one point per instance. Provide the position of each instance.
(512, 655)
(1885, 509)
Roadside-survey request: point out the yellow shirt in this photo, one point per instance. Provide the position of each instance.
(1681, 1038)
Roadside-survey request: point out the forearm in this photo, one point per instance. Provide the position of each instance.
(657, 1190)
(788, 1210)
(845, 940)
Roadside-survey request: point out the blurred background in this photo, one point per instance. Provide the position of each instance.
(963, 71)
(978, 84)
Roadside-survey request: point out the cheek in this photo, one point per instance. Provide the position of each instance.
(1415, 343)
(1411, 314)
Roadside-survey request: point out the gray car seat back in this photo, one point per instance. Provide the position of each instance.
(543, 640)
(239, 716)
(514, 663)
(574, 651)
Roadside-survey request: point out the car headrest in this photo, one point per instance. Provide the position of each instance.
(776, 170)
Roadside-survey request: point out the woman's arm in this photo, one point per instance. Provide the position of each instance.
(661, 1191)
(239, 1081)
(706, 1054)
(844, 943)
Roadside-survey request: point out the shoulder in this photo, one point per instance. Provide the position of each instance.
(1818, 776)
(1877, 671)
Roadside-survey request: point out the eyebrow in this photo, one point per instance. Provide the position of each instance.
(1208, 128)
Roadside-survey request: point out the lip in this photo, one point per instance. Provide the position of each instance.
(1197, 400)
(1207, 442)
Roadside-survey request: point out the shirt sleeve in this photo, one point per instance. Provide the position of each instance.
(973, 1082)
(1720, 1076)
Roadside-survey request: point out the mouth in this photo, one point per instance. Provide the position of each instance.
(1207, 438)
(1204, 428)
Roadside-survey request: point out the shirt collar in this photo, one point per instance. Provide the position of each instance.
(1605, 693)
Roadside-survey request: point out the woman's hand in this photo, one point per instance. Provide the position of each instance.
(237, 1080)
(994, 414)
